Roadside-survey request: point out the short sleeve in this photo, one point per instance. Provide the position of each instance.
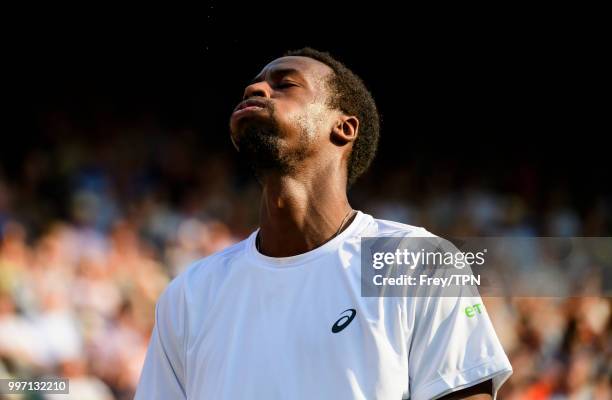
(162, 376)
(453, 346)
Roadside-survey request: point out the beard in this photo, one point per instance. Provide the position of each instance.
(261, 144)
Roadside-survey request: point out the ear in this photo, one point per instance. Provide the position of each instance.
(345, 130)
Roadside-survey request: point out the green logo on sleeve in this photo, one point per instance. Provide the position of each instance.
(471, 311)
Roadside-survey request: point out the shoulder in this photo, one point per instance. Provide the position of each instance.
(406, 235)
(199, 273)
(382, 227)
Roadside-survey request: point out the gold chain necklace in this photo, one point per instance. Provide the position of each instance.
(350, 213)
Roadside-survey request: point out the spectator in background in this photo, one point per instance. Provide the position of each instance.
(91, 232)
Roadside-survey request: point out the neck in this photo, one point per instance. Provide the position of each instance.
(298, 216)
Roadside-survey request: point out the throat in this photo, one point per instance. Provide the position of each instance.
(297, 216)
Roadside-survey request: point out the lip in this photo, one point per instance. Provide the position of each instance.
(248, 109)
(251, 103)
(249, 106)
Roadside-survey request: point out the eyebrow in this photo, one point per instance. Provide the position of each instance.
(278, 72)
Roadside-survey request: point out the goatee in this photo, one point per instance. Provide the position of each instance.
(260, 144)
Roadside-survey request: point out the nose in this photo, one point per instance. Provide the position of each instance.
(260, 89)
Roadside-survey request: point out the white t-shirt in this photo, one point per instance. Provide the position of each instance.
(241, 325)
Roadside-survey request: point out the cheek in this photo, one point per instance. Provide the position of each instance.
(289, 116)
(310, 119)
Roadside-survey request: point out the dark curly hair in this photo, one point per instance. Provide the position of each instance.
(349, 94)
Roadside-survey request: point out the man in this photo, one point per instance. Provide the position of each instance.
(280, 315)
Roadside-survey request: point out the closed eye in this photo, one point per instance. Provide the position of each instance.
(285, 84)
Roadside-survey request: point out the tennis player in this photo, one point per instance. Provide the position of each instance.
(280, 314)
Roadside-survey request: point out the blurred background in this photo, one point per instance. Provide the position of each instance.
(116, 172)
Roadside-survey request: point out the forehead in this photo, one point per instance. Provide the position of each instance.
(309, 68)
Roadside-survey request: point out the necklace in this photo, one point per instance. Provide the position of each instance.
(350, 213)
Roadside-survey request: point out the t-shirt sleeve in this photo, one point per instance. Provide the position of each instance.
(453, 346)
(162, 376)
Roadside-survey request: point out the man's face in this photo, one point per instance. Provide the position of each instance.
(284, 118)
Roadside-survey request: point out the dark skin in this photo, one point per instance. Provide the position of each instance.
(296, 214)
(305, 204)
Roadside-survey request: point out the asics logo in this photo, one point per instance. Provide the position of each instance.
(344, 320)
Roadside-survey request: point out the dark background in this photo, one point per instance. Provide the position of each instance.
(485, 96)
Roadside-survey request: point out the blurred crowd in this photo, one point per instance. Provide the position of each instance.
(92, 230)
